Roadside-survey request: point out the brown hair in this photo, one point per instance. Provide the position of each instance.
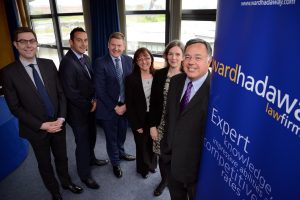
(116, 35)
(174, 43)
(23, 29)
(138, 52)
(77, 29)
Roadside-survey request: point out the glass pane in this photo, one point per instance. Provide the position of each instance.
(146, 31)
(44, 31)
(65, 52)
(203, 4)
(37, 7)
(159, 62)
(50, 54)
(145, 5)
(69, 6)
(66, 26)
(198, 29)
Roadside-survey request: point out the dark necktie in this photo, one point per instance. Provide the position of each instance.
(82, 61)
(185, 99)
(120, 79)
(42, 92)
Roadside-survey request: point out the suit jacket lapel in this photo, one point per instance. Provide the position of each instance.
(43, 74)
(27, 80)
(180, 86)
(198, 96)
(111, 68)
(81, 66)
(123, 66)
(88, 64)
(139, 83)
(46, 78)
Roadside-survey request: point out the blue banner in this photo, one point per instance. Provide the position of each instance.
(13, 149)
(252, 143)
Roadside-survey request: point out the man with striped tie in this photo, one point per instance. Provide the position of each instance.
(76, 76)
(110, 73)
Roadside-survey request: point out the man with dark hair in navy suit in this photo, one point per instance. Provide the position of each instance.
(76, 76)
(110, 73)
(34, 95)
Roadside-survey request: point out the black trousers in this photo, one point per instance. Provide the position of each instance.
(85, 138)
(164, 172)
(146, 159)
(181, 191)
(55, 143)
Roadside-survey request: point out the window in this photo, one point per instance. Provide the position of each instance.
(133, 5)
(199, 20)
(146, 31)
(148, 23)
(203, 4)
(53, 20)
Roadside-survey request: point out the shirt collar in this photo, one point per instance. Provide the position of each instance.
(113, 58)
(25, 63)
(77, 54)
(197, 83)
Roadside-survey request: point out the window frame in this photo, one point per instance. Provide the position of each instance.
(186, 14)
(165, 12)
(57, 30)
(199, 15)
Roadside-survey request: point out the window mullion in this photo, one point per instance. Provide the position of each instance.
(56, 28)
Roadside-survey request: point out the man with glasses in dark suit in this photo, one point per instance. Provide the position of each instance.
(34, 95)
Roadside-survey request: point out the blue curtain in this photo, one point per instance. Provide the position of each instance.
(13, 19)
(104, 21)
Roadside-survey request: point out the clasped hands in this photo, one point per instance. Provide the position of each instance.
(53, 127)
(120, 110)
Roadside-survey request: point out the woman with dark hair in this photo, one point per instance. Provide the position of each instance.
(137, 95)
(173, 56)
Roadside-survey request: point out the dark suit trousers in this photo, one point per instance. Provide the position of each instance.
(85, 138)
(42, 148)
(146, 159)
(115, 133)
(164, 172)
(181, 191)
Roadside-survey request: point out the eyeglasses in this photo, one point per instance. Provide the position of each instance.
(143, 59)
(196, 58)
(24, 42)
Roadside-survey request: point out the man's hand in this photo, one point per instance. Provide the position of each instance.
(94, 105)
(120, 110)
(140, 130)
(52, 127)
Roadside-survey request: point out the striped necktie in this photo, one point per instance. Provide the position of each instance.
(120, 79)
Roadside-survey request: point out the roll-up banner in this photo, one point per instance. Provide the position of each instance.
(252, 143)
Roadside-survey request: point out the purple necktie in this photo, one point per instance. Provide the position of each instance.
(186, 97)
